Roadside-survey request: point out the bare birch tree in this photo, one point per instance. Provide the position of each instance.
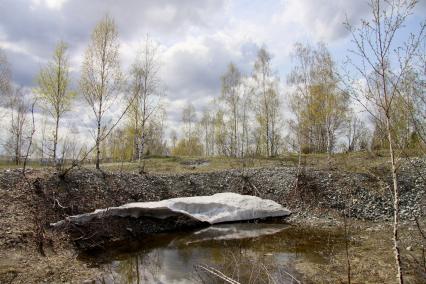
(5, 77)
(189, 144)
(231, 82)
(174, 138)
(101, 77)
(189, 118)
(322, 108)
(300, 79)
(382, 62)
(207, 125)
(53, 81)
(42, 140)
(267, 99)
(147, 92)
(5, 87)
(414, 99)
(245, 116)
(329, 104)
(356, 133)
(19, 107)
(5, 82)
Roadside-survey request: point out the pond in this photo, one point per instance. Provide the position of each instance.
(244, 252)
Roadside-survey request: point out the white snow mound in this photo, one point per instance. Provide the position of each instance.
(213, 209)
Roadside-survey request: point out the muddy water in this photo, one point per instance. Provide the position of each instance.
(248, 253)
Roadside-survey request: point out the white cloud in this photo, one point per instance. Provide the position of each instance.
(50, 4)
(320, 19)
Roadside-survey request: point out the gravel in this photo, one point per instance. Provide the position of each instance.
(368, 196)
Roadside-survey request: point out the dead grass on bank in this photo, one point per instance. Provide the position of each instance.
(359, 162)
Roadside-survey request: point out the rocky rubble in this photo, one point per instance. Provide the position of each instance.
(368, 196)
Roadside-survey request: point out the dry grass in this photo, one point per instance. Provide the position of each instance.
(360, 162)
(194, 164)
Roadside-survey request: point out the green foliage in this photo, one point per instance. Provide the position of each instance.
(188, 147)
(319, 106)
(53, 83)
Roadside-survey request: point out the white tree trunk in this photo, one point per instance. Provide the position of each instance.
(395, 205)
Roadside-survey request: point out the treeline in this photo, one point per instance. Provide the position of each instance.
(320, 111)
(127, 113)
(247, 118)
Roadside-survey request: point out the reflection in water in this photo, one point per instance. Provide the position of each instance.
(248, 253)
(232, 232)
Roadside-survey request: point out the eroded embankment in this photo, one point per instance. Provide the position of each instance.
(369, 195)
(83, 191)
(29, 205)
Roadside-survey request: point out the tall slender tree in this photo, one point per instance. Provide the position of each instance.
(101, 77)
(5, 77)
(53, 90)
(382, 63)
(299, 79)
(174, 138)
(190, 144)
(19, 108)
(267, 100)
(356, 132)
(147, 92)
(231, 82)
(246, 115)
(331, 103)
(206, 123)
(189, 118)
(319, 105)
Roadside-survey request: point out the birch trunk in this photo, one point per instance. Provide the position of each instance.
(396, 247)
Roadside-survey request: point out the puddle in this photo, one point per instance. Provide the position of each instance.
(248, 253)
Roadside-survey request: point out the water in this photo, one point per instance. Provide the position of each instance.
(247, 252)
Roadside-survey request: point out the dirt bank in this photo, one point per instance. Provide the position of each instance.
(30, 204)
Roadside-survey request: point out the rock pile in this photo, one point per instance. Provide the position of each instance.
(368, 196)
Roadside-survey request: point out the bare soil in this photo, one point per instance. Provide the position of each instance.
(31, 252)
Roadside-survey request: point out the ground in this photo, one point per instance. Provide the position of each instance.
(359, 181)
(352, 162)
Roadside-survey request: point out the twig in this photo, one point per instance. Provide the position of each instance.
(267, 273)
(30, 138)
(292, 277)
(218, 274)
(419, 228)
(59, 204)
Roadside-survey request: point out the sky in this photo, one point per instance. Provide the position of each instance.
(197, 38)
